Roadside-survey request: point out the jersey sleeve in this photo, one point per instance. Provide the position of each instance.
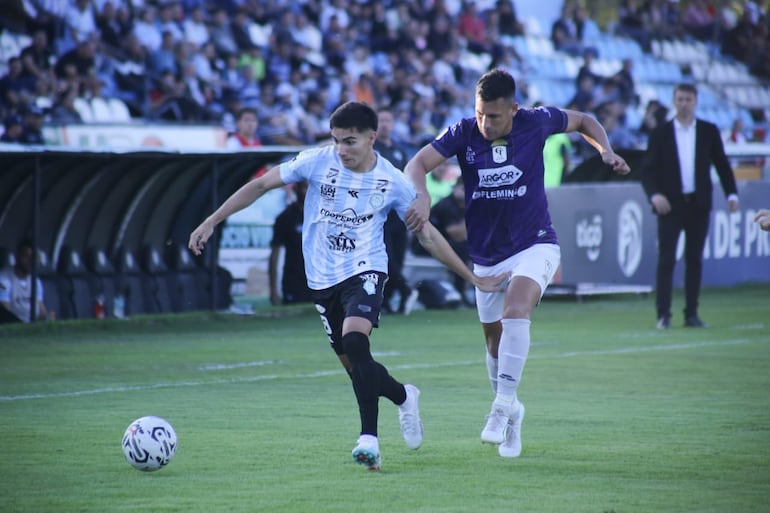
(552, 119)
(451, 141)
(299, 168)
(405, 194)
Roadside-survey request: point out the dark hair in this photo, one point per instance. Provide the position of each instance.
(496, 84)
(686, 87)
(25, 243)
(246, 110)
(357, 115)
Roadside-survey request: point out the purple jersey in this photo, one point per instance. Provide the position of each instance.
(506, 210)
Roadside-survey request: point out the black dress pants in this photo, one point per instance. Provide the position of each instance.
(685, 215)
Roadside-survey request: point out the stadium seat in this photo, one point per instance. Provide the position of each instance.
(184, 288)
(101, 110)
(79, 291)
(103, 278)
(156, 279)
(118, 110)
(129, 282)
(84, 109)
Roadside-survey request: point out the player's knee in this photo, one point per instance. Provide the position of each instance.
(356, 346)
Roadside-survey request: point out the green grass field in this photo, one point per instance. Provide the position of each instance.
(621, 417)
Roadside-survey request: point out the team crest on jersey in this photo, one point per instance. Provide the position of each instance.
(370, 283)
(328, 191)
(499, 151)
(470, 155)
(376, 200)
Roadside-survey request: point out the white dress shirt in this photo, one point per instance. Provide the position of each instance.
(685, 145)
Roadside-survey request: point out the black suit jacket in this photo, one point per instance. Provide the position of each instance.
(661, 173)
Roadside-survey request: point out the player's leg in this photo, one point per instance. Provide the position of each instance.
(532, 269)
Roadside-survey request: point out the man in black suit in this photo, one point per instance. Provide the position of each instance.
(677, 180)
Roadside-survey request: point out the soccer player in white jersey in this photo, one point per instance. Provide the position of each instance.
(351, 190)
(500, 152)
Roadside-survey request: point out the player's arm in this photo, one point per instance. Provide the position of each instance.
(432, 240)
(239, 200)
(425, 161)
(596, 136)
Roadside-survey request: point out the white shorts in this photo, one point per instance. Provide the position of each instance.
(538, 263)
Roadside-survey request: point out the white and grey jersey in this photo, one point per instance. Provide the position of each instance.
(342, 232)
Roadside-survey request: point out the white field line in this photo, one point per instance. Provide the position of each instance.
(320, 374)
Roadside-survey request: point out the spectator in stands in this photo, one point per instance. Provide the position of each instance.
(165, 57)
(677, 182)
(584, 99)
(16, 288)
(64, 111)
(564, 34)
(240, 31)
(80, 23)
(15, 87)
(221, 33)
(508, 23)
(287, 234)
(167, 22)
(114, 25)
(762, 218)
(586, 69)
(631, 23)
(37, 58)
(624, 79)
(655, 114)
(448, 216)
(77, 66)
(395, 234)
(699, 20)
(194, 27)
(471, 25)
(314, 124)
(246, 136)
(585, 27)
(32, 124)
(13, 129)
(146, 30)
(129, 73)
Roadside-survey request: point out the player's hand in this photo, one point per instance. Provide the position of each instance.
(492, 283)
(418, 213)
(763, 219)
(616, 162)
(199, 237)
(660, 204)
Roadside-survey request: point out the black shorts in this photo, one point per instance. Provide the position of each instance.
(358, 296)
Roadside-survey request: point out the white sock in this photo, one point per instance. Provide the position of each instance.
(492, 371)
(512, 355)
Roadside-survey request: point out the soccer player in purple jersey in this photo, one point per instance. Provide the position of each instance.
(500, 153)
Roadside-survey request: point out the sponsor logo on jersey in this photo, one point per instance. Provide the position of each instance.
(332, 174)
(328, 191)
(341, 243)
(347, 217)
(500, 194)
(499, 176)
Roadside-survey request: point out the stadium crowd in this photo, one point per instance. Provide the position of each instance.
(202, 61)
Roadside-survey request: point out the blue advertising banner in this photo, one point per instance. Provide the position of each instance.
(608, 235)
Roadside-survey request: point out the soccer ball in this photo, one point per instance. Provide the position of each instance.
(149, 443)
